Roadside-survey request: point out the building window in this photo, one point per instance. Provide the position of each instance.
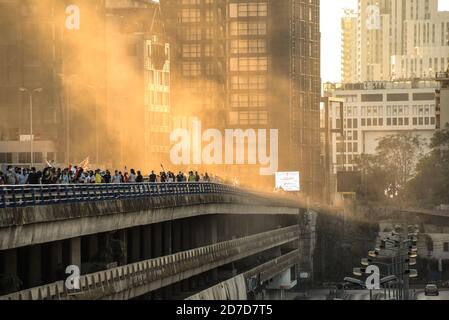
(208, 50)
(247, 118)
(24, 157)
(38, 158)
(191, 69)
(256, 82)
(191, 34)
(349, 123)
(190, 2)
(209, 16)
(249, 64)
(248, 46)
(349, 147)
(5, 157)
(446, 246)
(189, 15)
(248, 101)
(248, 28)
(191, 51)
(248, 10)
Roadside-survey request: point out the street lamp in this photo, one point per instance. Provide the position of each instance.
(412, 273)
(30, 94)
(383, 282)
(355, 281)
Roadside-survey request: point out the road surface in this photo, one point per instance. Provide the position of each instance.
(444, 295)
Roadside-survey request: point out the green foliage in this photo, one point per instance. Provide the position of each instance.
(387, 172)
(431, 184)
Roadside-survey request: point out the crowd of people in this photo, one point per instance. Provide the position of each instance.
(76, 175)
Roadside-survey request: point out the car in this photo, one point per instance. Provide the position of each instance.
(431, 290)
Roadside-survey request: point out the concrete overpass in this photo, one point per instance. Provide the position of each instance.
(143, 241)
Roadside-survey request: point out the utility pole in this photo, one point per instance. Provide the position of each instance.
(30, 94)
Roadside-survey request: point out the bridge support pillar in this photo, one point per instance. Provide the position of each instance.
(146, 242)
(35, 266)
(134, 245)
(123, 237)
(177, 236)
(75, 251)
(167, 238)
(213, 239)
(55, 258)
(157, 240)
(186, 244)
(92, 244)
(9, 262)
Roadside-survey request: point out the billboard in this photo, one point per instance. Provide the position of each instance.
(288, 181)
(349, 181)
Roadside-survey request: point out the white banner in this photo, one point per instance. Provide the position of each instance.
(288, 181)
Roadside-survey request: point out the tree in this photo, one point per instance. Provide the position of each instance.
(374, 178)
(389, 170)
(431, 184)
(398, 155)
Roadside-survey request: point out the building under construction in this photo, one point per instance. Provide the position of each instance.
(250, 65)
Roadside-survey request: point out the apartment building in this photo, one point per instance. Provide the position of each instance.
(373, 110)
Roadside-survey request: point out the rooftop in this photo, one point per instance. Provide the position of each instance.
(383, 85)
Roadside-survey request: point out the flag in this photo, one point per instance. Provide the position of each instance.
(49, 164)
(84, 164)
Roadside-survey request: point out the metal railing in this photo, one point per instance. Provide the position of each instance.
(36, 195)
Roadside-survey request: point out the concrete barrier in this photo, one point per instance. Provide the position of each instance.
(26, 226)
(129, 282)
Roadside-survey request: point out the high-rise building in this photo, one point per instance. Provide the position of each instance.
(442, 100)
(349, 25)
(25, 61)
(138, 84)
(399, 40)
(425, 42)
(373, 52)
(251, 65)
(38, 56)
(99, 65)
